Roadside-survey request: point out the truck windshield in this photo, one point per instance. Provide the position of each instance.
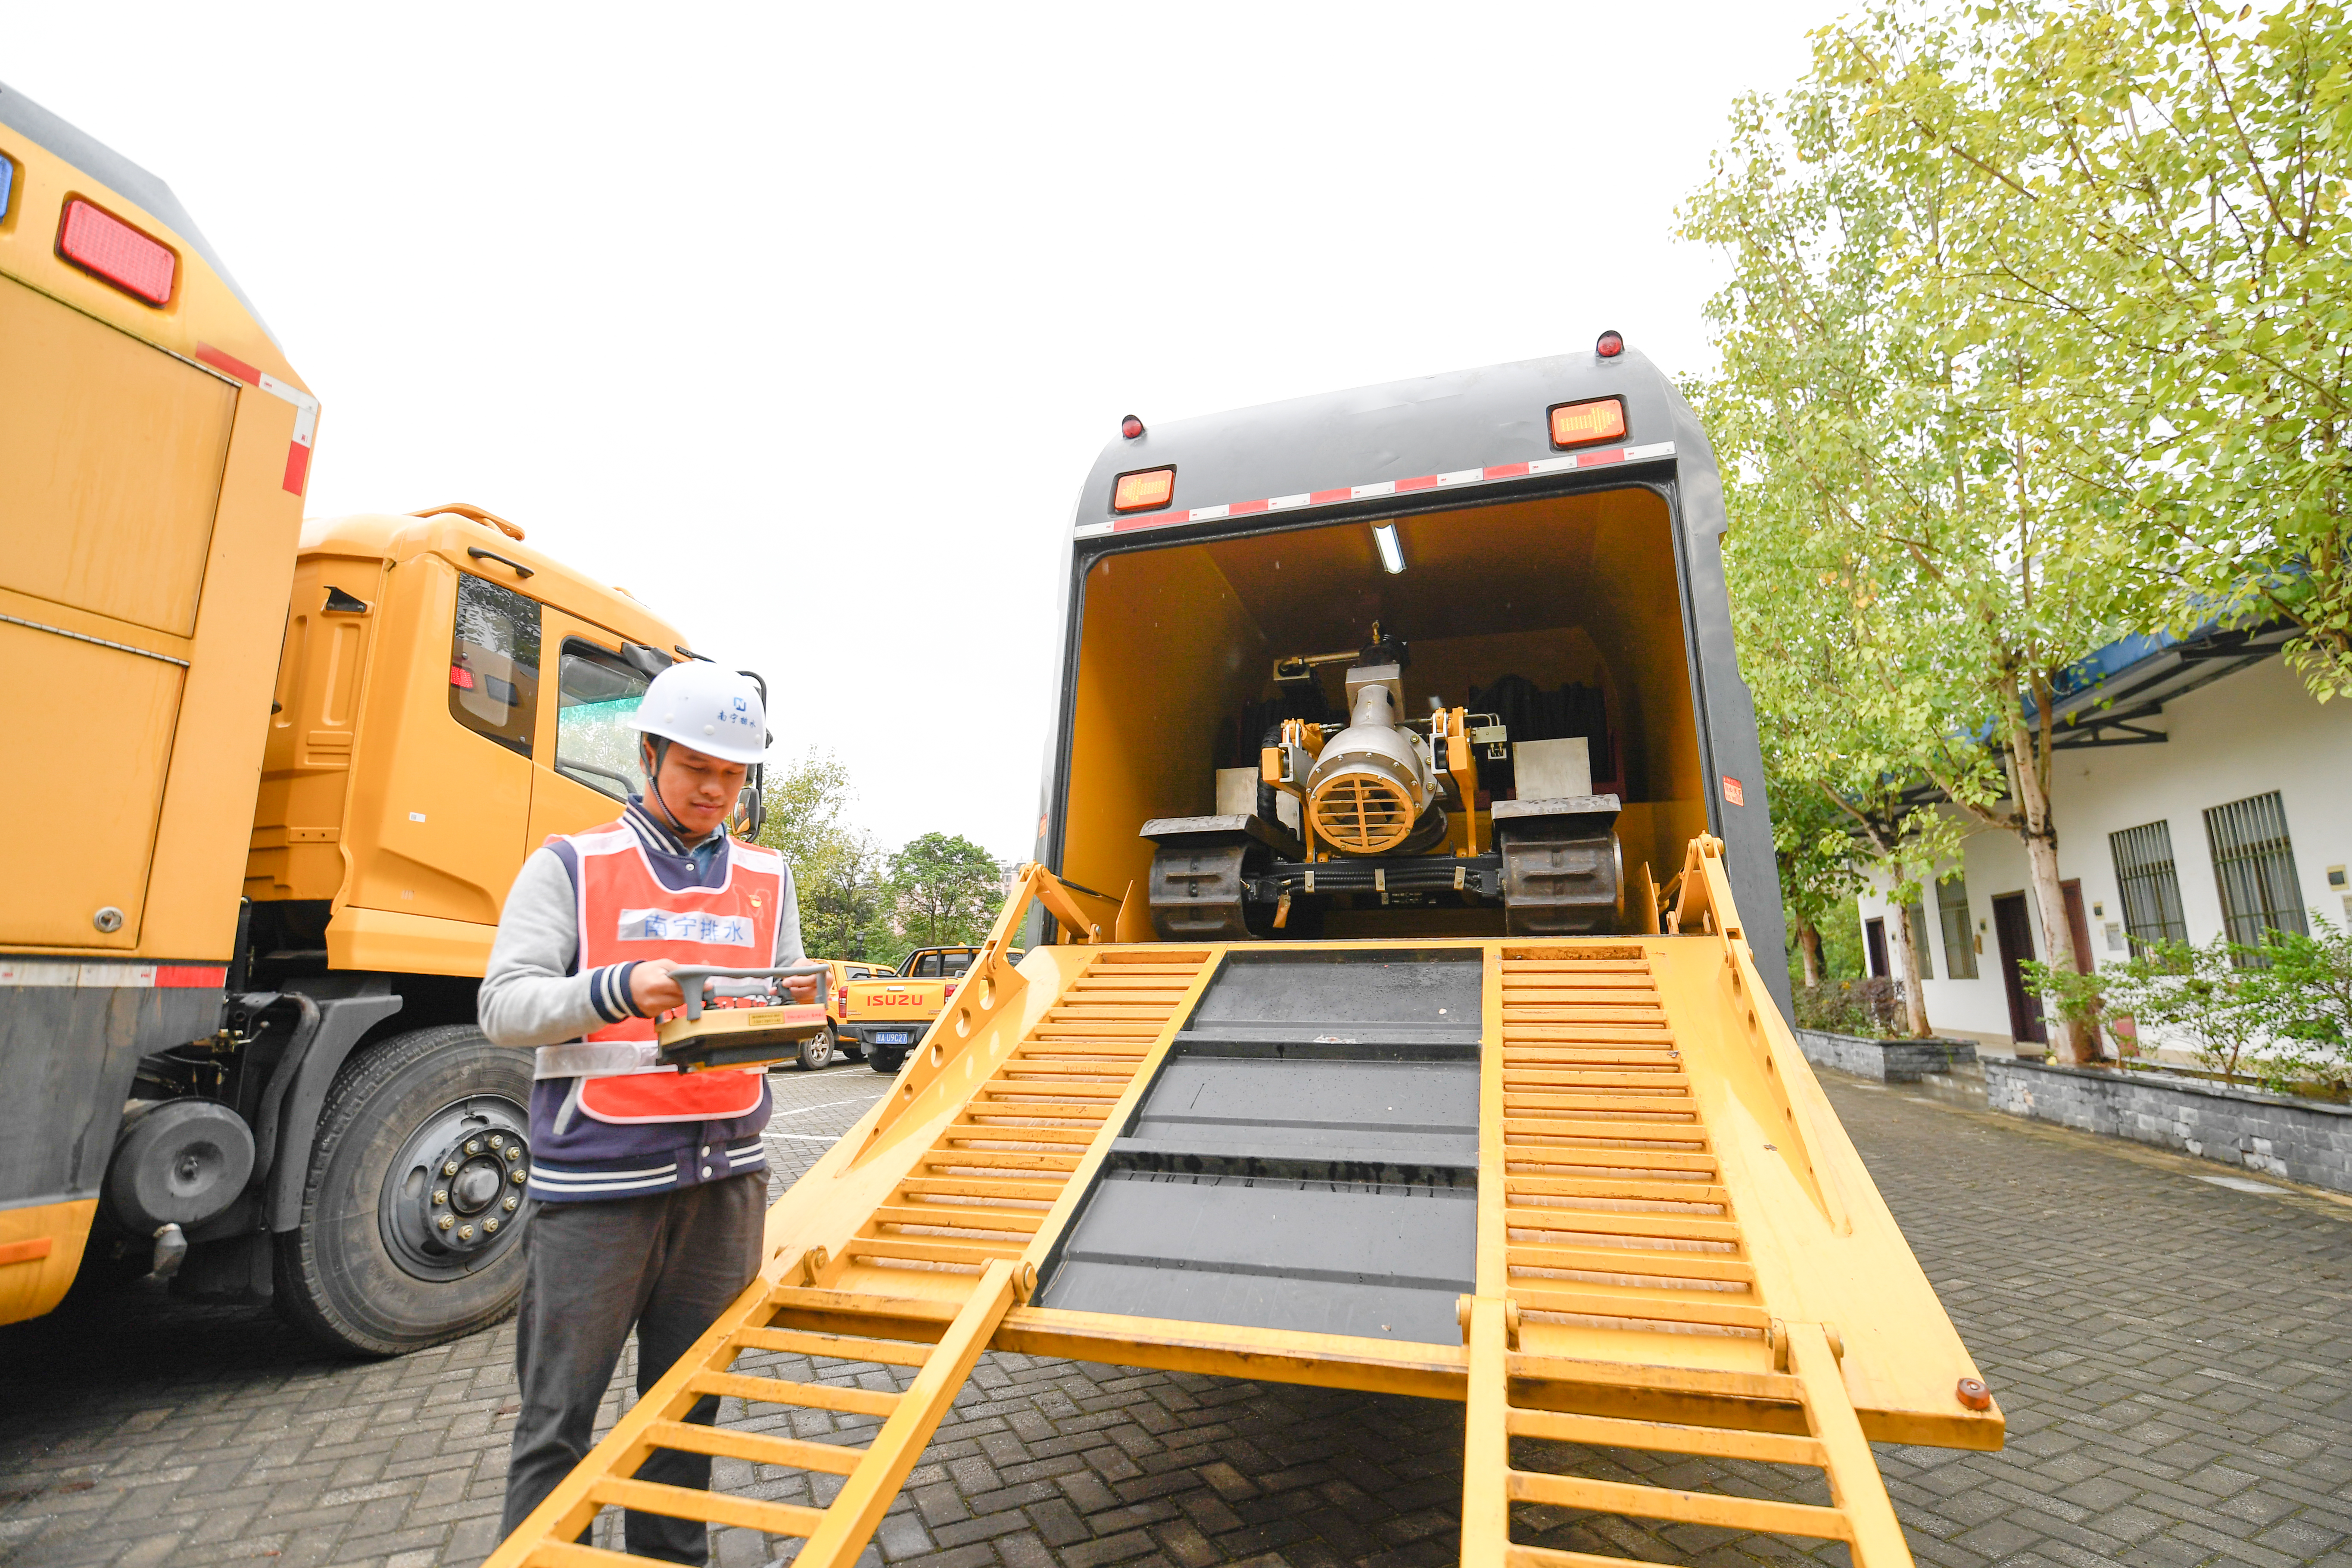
(594, 743)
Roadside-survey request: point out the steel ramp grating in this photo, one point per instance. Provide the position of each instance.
(1859, 1512)
(1614, 1213)
(833, 1535)
(989, 1182)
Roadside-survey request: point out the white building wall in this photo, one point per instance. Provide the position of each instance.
(2246, 734)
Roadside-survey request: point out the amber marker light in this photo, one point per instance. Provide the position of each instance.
(1582, 424)
(1145, 491)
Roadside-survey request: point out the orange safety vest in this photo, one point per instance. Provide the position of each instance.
(626, 913)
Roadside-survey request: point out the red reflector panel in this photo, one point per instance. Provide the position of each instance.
(117, 252)
(1143, 491)
(1582, 424)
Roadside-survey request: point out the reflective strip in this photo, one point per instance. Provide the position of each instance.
(577, 1058)
(306, 409)
(67, 972)
(605, 1182)
(1494, 474)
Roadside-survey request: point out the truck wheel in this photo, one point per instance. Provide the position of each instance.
(413, 1204)
(884, 1058)
(817, 1054)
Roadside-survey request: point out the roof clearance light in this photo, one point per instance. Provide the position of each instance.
(105, 246)
(1611, 345)
(1582, 424)
(1391, 554)
(1146, 491)
(1130, 427)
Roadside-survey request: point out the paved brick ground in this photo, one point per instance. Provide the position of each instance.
(2170, 1353)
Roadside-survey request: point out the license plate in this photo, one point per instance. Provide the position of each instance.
(889, 1036)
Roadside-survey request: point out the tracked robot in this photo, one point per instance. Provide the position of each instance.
(1388, 816)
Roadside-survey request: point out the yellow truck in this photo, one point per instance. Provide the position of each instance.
(1403, 1009)
(236, 999)
(885, 1015)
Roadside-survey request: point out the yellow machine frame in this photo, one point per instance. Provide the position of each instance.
(1678, 1249)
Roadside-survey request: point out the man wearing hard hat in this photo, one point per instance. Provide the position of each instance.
(648, 1185)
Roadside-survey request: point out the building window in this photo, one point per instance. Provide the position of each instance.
(2151, 886)
(494, 663)
(1919, 930)
(1960, 941)
(2254, 861)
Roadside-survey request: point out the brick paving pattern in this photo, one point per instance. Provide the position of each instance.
(2170, 1353)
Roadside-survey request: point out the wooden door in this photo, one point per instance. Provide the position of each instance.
(2013, 928)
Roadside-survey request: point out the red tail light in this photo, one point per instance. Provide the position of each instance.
(840, 999)
(948, 990)
(460, 677)
(104, 244)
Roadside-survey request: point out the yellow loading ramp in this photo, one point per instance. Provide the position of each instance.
(1677, 1249)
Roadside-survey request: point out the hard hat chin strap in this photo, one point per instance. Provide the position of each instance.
(656, 752)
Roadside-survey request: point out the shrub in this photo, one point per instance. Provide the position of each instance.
(2280, 1011)
(2303, 993)
(1871, 1008)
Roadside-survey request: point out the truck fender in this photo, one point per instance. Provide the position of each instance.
(299, 1088)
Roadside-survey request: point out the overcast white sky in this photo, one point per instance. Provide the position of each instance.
(805, 326)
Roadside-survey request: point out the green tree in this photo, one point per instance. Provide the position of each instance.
(2153, 195)
(1841, 750)
(1815, 858)
(845, 901)
(947, 890)
(807, 804)
(1897, 506)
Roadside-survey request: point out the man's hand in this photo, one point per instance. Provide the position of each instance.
(651, 989)
(806, 987)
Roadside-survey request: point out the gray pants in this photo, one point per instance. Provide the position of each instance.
(669, 1265)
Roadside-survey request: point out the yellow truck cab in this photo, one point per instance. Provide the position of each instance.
(447, 697)
(886, 1016)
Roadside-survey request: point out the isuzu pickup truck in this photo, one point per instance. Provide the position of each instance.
(886, 1015)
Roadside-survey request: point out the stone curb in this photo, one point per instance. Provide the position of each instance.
(2279, 1135)
(1887, 1061)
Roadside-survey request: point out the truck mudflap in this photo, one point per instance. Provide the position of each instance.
(1586, 1185)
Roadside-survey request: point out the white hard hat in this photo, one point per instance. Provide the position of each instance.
(711, 710)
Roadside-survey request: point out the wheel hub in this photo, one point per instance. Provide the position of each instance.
(452, 1198)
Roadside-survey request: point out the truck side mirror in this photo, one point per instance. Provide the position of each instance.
(648, 661)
